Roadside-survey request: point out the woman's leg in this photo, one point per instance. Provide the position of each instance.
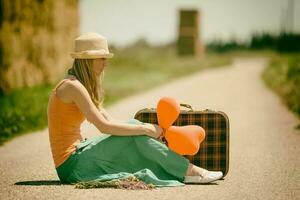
(108, 156)
(161, 156)
(194, 170)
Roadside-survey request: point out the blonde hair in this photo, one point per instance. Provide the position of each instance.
(82, 69)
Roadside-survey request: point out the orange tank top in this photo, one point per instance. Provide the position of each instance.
(64, 120)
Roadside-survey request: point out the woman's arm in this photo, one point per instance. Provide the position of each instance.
(109, 118)
(76, 92)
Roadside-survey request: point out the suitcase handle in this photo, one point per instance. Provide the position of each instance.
(187, 106)
(183, 105)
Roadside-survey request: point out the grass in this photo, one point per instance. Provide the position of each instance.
(23, 111)
(283, 76)
(134, 70)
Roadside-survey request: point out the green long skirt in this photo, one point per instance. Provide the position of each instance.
(109, 157)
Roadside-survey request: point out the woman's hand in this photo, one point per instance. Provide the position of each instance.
(153, 130)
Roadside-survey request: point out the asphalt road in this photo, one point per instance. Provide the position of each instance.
(264, 144)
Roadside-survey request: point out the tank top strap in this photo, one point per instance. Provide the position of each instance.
(61, 82)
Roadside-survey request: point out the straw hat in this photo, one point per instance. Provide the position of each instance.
(91, 45)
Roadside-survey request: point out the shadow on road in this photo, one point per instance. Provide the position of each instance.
(40, 182)
(201, 183)
(52, 182)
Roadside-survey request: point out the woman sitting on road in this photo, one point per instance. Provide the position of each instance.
(125, 149)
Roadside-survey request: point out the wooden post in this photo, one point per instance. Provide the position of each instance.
(189, 41)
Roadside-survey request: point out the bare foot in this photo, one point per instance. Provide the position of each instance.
(194, 170)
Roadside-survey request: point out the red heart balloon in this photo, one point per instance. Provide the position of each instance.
(185, 140)
(167, 112)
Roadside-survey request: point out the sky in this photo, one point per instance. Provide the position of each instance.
(123, 22)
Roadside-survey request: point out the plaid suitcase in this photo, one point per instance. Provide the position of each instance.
(214, 150)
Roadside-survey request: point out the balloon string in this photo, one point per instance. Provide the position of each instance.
(162, 135)
(163, 132)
